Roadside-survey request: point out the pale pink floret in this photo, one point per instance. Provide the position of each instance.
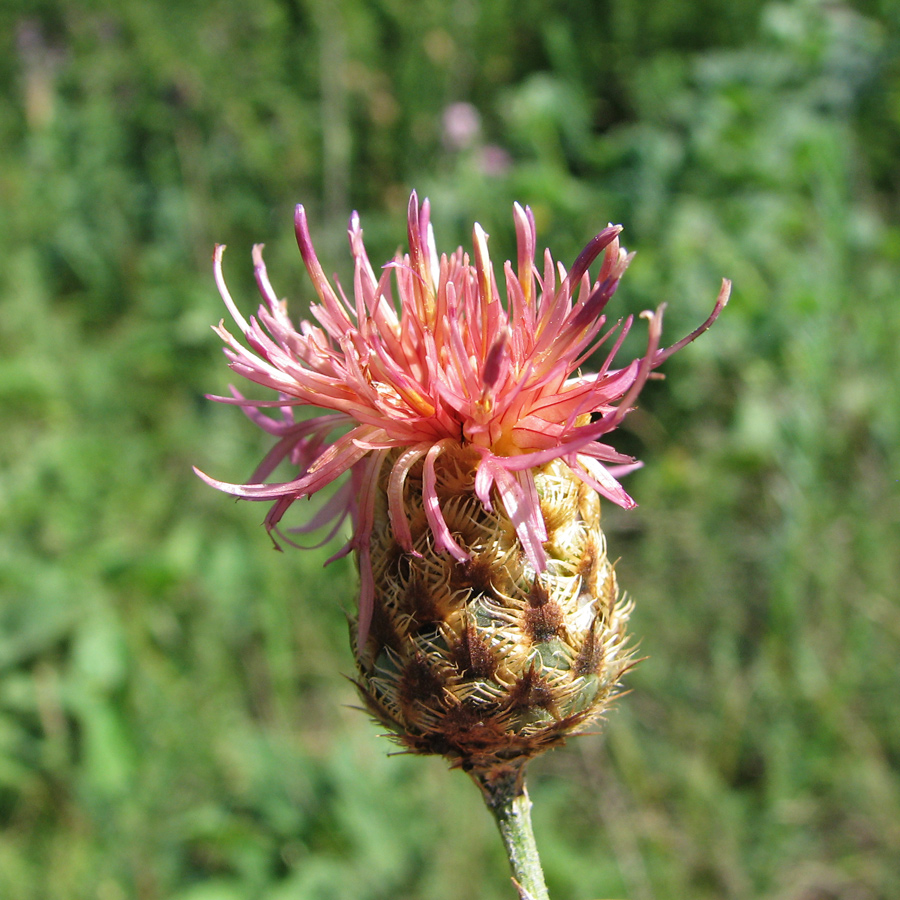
(444, 363)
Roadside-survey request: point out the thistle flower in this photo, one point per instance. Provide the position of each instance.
(490, 624)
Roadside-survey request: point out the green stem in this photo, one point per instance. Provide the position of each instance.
(506, 797)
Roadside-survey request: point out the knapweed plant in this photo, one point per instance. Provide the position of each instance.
(472, 454)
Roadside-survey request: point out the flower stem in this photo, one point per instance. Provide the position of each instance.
(507, 798)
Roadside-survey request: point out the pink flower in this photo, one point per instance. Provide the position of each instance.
(443, 365)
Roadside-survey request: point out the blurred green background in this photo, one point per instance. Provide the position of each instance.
(173, 718)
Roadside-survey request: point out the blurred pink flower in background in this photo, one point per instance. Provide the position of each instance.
(494, 161)
(461, 126)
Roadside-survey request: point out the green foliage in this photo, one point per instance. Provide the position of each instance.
(173, 720)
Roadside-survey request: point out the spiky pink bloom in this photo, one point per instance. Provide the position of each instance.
(441, 365)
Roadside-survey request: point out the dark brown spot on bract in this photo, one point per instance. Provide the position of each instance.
(472, 656)
(544, 623)
(542, 618)
(419, 683)
(590, 657)
(538, 595)
(394, 558)
(473, 573)
(419, 603)
(462, 717)
(588, 556)
(383, 631)
(531, 691)
(466, 731)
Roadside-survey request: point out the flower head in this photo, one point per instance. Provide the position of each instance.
(425, 359)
